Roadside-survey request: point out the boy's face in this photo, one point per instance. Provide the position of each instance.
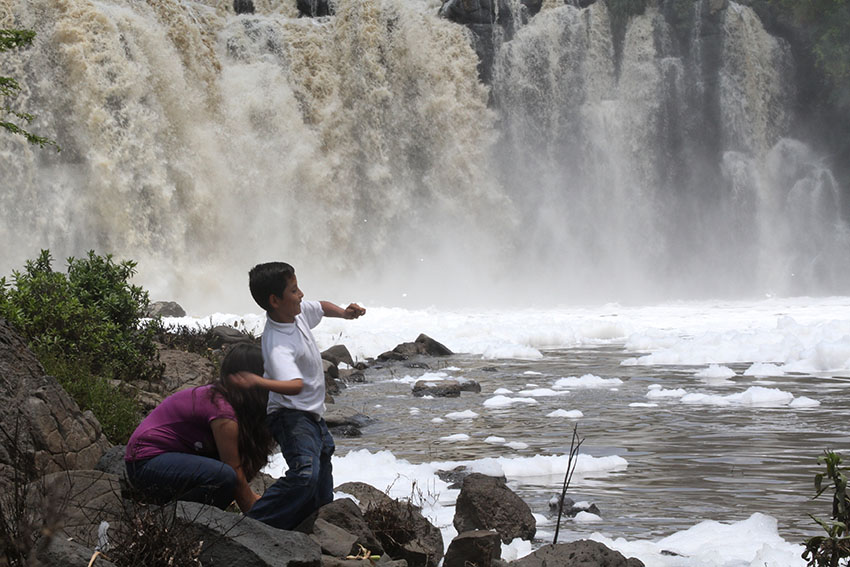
(285, 308)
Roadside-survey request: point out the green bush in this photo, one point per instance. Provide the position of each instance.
(86, 328)
(834, 547)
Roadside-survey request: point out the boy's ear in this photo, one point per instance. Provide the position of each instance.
(273, 300)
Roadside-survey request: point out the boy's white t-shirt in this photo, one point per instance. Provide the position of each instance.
(290, 352)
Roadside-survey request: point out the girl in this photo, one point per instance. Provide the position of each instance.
(205, 444)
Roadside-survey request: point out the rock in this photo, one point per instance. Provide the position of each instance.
(337, 354)
(570, 508)
(223, 335)
(402, 530)
(486, 503)
(333, 540)
(473, 549)
(423, 345)
(45, 431)
(437, 388)
(57, 551)
(455, 476)
(345, 515)
(331, 373)
(582, 553)
(352, 376)
(243, 6)
(184, 370)
(344, 415)
(468, 385)
(112, 461)
(314, 8)
(74, 503)
(234, 539)
(166, 308)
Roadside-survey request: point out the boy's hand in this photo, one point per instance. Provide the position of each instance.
(354, 311)
(244, 379)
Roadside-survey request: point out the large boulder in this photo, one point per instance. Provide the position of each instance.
(437, 388)
(234, 539)
(422, 346)
(165, 309)
(486, 503)
(43, 429)
(401, 528)
(184, 370)
(345, 514)
(473, 549)
(582, 553)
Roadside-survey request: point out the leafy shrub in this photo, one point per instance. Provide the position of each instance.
(829, 550)
(86, 328)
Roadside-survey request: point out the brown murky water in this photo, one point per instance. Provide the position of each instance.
(686, 463)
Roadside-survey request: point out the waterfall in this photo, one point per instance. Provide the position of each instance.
(361, 148)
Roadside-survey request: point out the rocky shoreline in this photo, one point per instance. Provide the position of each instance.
(56, 461)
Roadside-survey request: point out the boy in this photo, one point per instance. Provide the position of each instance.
(294, 376)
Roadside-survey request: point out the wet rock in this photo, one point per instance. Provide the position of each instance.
(582, 553)
(436, 388)
(402, 530)
(314, 8)
(243, 6)
(486, 503)
(571, 508)
(468, 385)
(337, 354)
(473, 549)
(423, 345)
(345, 514)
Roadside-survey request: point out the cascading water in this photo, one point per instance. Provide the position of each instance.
(667, 171)
(360, 147)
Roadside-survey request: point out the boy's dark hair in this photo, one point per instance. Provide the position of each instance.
(269, 278)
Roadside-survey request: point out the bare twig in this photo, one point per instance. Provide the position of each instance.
(575, 444)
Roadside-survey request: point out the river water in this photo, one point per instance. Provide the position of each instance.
(686, 462)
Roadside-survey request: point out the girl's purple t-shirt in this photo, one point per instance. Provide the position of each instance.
(180, 424)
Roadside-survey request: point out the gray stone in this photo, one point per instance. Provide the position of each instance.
(224, 335)
(184, 370)
(337, 354)
(74, 503)
(437, 388)
(233, 539)
(165, 309)
(345, 513)
(486, 503)
(468, 385)
(57, 551)
(402, 530)
(473, 549)
(422, 346)
(582, 553)
(333, 540)
(112, 461)
(44, 429)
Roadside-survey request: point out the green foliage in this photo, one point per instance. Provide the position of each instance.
(85, 326)
(831, 549)
(826, 26)
(9, 87)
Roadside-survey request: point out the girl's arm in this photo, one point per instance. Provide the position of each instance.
(226, 434)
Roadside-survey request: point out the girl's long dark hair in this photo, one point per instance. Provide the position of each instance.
(255, 439)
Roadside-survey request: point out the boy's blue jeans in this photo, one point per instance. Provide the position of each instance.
(181, 476)
(307, 446)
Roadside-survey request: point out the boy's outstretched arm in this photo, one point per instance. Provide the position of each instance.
(353, 311)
